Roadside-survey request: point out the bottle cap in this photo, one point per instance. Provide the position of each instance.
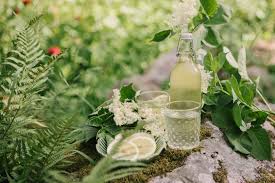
(187, 35)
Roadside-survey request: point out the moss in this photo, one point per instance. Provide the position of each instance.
(265, 176)
(205, 132)
(220, 176)
(166, 162)
(81, 166)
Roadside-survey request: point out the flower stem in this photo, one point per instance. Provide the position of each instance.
(266, 103)
(271, 120)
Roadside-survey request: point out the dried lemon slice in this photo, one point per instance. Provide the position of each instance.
(126, 151)
(145, 143)
(139, 146)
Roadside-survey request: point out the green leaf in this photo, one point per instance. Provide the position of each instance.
(210, 7)
(162, 35)
(223, 100)
(111, 127)
(271, 69)
(235, 90)
(212, 38)
(213, 64)
(199, 19)
(260, 117)
(99, 117)
(247, 114)
(261, 142)
(222, 117)
(221, 58)
(221, 17)
(84, 133)
(237, 114)
(241, 141)
(248, 91)
(1, 105)
(230, 58)
(242, 64)
(210, 99)
(208, 61)
(127, 92)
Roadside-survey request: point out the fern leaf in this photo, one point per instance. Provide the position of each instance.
(103, 173)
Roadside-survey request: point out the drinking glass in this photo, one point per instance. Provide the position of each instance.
(182, 121)
(151, 104)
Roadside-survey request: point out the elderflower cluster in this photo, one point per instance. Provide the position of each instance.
(147, 114)
(153, 121)
(184, 12)
(124, 113)
(205, 78)
(156, 128)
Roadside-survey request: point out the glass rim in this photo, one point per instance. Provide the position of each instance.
(141, 93)
(198, 106)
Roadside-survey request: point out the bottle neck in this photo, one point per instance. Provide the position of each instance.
(185, 49)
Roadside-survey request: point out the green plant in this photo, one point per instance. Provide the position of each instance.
(109, 169)
(230, 101)
(230, 96)
(102, 122)
(35, 150)
(30, 147)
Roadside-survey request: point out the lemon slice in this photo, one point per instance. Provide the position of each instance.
(139, 146)
(113, 143)
(145, 143)
(127, 151)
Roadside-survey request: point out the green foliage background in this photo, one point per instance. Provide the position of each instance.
(104, 41)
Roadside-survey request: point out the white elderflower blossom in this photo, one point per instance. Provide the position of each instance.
(205, 78)
(147, 114)
(124, 113)
(157, 129)
(184, 12)
(154, 121)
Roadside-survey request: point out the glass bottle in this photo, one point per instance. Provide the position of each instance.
(185, 78)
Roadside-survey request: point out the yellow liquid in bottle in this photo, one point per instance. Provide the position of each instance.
(185, 82)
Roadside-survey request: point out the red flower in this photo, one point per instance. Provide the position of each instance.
(16, 10)
(55, 51)
(26, 2)
(77, 18)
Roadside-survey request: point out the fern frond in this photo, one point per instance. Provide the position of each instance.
(47, 149)
(26, 153)
(109, 169)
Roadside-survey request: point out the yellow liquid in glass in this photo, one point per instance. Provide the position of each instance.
(185, 82)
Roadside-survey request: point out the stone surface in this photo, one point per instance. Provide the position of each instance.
(266, 49)
(199, 166)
